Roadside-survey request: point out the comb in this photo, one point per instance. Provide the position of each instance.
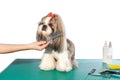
(53, 36)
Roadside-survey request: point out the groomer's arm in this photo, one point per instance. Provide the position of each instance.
(8, 48)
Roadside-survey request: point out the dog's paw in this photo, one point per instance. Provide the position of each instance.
(64, 67)
(47, 62)
(47, 66)
(68, 68)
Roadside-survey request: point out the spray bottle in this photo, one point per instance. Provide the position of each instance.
(107, 53)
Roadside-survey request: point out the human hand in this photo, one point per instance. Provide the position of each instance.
(39, 45)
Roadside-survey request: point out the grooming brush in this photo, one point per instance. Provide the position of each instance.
(53, 36)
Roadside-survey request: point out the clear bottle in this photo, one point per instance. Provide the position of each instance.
(105, 51)
(109, 55)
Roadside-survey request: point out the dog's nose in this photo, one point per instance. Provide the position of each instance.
(44, 27)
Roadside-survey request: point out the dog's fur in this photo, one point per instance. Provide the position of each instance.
(60, 53)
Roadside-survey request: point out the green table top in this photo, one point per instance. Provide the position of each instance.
(27, 69)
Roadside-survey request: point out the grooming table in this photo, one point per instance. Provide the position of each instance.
(27, 69)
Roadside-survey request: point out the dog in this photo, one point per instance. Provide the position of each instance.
(60, 53)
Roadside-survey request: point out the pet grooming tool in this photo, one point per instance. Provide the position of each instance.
(110, 72)
(105, 74)
(53, 36)
(92, 71)
(114, 66)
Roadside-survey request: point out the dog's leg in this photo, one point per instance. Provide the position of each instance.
(47, 62)
(63, 63)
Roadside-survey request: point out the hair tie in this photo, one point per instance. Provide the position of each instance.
(51, 15)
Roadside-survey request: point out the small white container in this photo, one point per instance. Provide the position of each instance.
(107, 53)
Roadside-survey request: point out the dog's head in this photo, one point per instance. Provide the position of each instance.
(50, 24)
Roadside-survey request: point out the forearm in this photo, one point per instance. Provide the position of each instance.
(7, 48)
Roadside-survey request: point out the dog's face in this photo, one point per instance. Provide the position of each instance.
(47, 26)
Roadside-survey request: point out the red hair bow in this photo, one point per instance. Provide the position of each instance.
(51, 15)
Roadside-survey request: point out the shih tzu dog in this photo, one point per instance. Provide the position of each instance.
(60, 53)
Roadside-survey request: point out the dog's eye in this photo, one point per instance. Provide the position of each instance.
(50, 24)
(40, 23)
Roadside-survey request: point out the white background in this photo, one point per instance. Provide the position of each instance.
(88, 24)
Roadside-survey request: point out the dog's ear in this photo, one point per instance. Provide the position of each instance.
(59, 42)
(60, 25)
(39, 36)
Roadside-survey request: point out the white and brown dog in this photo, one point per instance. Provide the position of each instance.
(60, 53)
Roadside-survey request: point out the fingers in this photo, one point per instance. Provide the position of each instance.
(43, 44)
